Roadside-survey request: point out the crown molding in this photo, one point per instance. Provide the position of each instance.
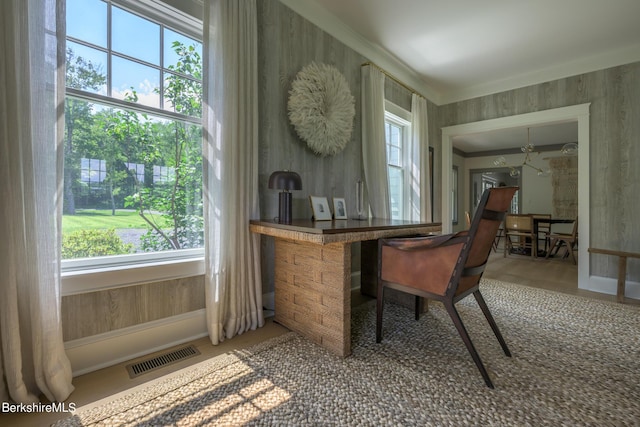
(332, 25)
(610, 59)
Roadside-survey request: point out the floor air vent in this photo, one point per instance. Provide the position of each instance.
(137, 369)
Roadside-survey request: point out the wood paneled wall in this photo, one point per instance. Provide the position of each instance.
(286, 43)
(614, 95)
(94, 313)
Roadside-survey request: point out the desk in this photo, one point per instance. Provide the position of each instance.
(313, 272)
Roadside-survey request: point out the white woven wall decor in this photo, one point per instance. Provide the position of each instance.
(321, 108)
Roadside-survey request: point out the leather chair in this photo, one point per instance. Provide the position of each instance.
(446, 268)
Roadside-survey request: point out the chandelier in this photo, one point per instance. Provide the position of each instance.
(570, 149)
(529, 155)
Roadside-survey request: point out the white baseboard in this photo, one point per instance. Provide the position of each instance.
(608, 285)
(103, 350)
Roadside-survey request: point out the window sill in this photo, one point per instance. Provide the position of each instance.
(93, 279)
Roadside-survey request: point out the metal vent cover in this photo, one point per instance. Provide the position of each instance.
(139, 368)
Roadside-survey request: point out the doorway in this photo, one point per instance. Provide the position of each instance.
(482, 179)
(579, 113)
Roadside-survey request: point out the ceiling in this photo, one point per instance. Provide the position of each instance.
(555, 134)
(451, 50)
(460, 49)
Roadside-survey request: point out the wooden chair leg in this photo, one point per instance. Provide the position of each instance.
(492, 322)
(379, 307)
(457, 321)
(552, 246)
(571, 253)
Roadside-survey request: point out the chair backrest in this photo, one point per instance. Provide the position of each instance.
(574, 231)
(542, 226)
(494, 204)
(518, 222)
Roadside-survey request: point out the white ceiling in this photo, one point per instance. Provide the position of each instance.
(539, 136)
(450, 50)
(459, 49)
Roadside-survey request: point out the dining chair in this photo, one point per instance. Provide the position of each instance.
(569, 241)
(499, 235)
(544, 228)
(518, 235)
(446, 268)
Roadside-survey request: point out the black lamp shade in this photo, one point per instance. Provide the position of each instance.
(285, 180)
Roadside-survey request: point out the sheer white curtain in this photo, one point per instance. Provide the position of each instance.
(32, 357)
(374, 148)
(230, 149)
(420, 179)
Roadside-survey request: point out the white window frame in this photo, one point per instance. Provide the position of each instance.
(101, 273)
(400, 117)
(455, 176)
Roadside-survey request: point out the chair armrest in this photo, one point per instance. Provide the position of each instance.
(426, 242)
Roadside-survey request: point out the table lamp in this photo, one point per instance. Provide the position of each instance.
(285, 180)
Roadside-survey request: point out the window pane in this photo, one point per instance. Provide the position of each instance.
(394, 156)
(174, 52)
(396, 136)
(122, 174)
(87, 20)
(396, 191)
(135, 36)
(182, 95)
(86, 68)
(131, 76)
(133, 182)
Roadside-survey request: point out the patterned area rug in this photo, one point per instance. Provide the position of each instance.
(575, 361)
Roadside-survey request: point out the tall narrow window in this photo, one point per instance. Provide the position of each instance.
(397, 134)
(133, 157)
(454, 194)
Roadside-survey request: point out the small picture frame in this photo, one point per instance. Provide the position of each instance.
(339, 208)
(320, 208)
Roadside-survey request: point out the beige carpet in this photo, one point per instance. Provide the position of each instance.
(575, 361)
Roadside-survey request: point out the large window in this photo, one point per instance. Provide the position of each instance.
(133, 135)
(397, 132)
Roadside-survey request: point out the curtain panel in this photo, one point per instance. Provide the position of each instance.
(233, 287)
(374, 148)
(32, 356)
(420, 179)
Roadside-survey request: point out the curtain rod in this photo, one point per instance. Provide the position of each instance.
(394, 78)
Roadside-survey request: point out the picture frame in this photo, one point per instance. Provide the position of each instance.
(320, 208)
(339, 208)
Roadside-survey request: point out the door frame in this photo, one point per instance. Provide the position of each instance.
(579, 113)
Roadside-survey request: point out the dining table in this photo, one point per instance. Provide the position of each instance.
(550, 221)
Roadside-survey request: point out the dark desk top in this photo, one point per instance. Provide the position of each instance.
(554, 220)
(341, 229)
(341, 225)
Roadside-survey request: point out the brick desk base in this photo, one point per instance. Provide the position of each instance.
(313, 291)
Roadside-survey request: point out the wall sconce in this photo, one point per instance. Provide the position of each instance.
(285, 180)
